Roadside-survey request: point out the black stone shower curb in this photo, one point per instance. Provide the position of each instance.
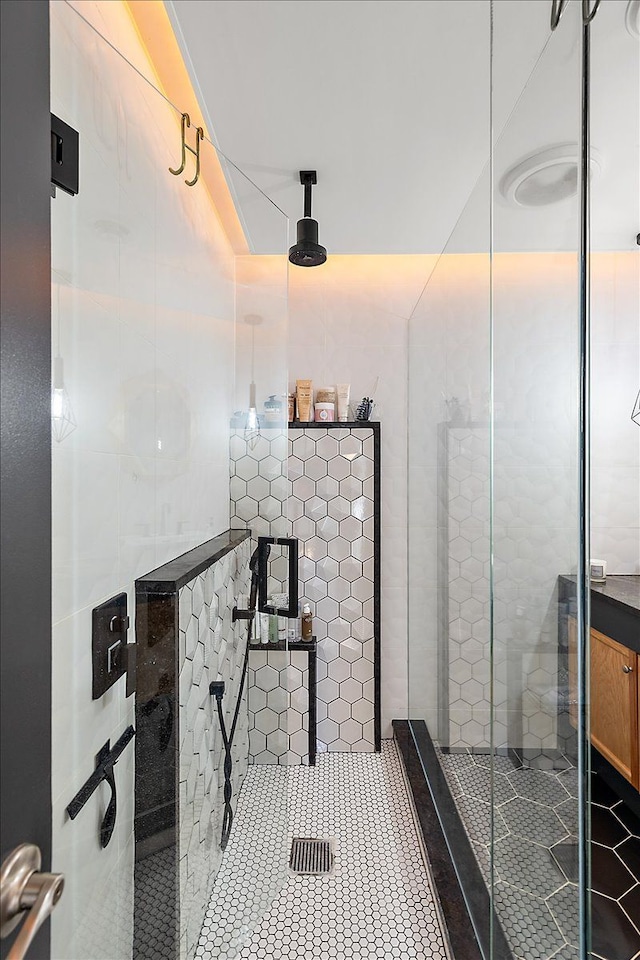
(469, 939)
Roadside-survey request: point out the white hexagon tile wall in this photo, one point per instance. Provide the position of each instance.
(327, 499)
(475, 698)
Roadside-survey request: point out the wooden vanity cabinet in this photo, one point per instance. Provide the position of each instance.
(614, 704)
(614, 701)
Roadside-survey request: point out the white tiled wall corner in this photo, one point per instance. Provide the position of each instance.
(332, 476)
(349, 323)
(143, 315)
(534, 484)
(535, 477)
(329, 502)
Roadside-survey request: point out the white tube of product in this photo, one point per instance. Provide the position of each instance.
(343, 391)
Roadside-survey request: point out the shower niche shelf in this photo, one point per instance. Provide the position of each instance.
(311, 648)
(307, 645)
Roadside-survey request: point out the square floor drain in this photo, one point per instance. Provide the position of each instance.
(311, 856)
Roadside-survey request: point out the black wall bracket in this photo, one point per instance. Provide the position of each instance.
(65, 157)
(105, 762)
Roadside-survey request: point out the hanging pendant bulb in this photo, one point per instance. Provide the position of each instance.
(63, 421)
(252, 425)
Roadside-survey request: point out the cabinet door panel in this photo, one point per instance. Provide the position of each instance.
(614, 704)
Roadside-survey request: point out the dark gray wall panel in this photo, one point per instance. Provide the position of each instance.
(25, 461)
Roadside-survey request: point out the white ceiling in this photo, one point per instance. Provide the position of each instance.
(389, 101)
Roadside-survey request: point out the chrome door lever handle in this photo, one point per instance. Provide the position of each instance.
(26, 893)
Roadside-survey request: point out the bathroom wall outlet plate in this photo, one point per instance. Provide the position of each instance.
(110, 625)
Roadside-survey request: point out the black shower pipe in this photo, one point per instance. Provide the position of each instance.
(216, 689)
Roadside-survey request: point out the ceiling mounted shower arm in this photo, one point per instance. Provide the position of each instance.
(307, 252)
(308, 179)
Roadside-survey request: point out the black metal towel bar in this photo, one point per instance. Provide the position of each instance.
(105, 762)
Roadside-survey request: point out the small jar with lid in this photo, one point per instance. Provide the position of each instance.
(273, 409)
(325, 408)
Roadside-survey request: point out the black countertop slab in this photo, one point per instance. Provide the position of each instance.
(615, 607)
(172, 575)
(620, 591)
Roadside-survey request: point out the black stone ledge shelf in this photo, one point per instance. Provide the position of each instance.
(173, 575)
(335, 425)
(313, 425)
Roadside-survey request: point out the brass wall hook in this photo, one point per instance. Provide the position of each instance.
(589, 14)
(557, 9)
(185, 122)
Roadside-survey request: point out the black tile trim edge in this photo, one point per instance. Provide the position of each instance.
(469, 938)
(172, 575)
(377, 616)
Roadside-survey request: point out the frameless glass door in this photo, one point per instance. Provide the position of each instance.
(153, 279)
(496, 511)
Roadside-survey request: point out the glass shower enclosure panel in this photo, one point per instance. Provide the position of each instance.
(152, 281)
(537, 510)
(450, 703)
(496, 518)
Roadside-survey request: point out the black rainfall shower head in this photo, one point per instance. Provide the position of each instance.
(307, 252)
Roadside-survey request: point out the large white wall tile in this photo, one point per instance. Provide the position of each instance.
(85, 529)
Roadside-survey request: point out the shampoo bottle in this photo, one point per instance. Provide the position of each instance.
(307, 622)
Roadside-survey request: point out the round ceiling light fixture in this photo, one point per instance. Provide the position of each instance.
(545, 177)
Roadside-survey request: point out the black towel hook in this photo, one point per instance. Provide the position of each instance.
(105, 762)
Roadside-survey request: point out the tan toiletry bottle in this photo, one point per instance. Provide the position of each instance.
(307, 622)
(304, 400)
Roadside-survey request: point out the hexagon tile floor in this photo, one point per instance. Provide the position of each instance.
(535, 861)
(376, 905)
